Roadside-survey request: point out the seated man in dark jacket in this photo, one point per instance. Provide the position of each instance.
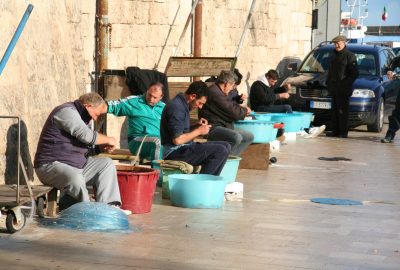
(177, 137)
(264, 97)
(221, 111)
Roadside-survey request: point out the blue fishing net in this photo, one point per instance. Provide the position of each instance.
(335, 201)
(90, 216)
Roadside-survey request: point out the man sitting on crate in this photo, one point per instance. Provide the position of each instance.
(265, 97)
(62, 160)
(221, 111)
(176, 135)
(144, 115)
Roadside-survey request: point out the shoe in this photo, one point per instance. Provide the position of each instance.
(315, 131)
(116, 205)
(389, 137)
(386, 140)
(343, 135)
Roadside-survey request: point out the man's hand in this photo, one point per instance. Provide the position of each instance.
(284, 95)
(110, 145)
(287, 86)
(203, 129)
(203, 121)
(248, 111)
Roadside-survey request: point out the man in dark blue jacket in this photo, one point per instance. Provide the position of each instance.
(177, 137)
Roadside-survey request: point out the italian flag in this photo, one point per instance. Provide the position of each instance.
(384, 14)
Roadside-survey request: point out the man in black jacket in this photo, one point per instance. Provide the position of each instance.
(264, 97)
(341, 75)
(221, 111)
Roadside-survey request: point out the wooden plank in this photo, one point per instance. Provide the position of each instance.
(8, 194)
(52, 202)
(255, 157)
(198, 66)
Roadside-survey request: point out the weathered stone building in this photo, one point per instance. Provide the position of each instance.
(53, 60)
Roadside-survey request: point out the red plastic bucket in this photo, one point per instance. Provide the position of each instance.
(137, 186)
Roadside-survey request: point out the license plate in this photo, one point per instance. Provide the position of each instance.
(320, 105)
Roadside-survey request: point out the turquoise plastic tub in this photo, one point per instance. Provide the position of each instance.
(307, 117)
(230, 169)
(262, 116)
(196, 190)
(263, 131)
(293, 122)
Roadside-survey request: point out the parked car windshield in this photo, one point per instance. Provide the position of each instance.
(318, 62)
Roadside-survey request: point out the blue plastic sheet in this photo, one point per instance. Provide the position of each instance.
(335, 201)
(91, 216)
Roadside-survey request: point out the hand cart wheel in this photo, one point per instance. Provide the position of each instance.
(15, 221)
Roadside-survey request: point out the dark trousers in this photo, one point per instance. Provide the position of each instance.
(394, 119)
(210, 155)
(285, 108)
(340, 115)
(239, 139)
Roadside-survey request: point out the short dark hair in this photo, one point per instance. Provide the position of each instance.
(199, 88)
(239, 76)
(157, 84)
(272, 74)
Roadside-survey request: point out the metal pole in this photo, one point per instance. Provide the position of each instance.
(246, 26)
(19, 156)
(198, 18)
(15, 38)
(101, 34)
(185, 27)
(166, 40)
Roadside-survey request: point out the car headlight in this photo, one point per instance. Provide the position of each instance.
(363, 93)
(293, 90)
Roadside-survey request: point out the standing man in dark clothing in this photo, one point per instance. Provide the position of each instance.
(176, 136)
(264, 97)
(341, 75)
(221, 111)
(394, 118)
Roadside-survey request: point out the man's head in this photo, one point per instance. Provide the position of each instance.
(197, 94)
(340, 42)
(94, 104)
(272, 77)
(238, 75)
(154, 93)
(226, 81)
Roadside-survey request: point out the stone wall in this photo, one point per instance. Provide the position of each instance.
(53, 60)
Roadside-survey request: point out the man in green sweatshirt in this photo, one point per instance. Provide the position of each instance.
(144, 114)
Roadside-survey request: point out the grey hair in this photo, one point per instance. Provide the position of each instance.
(91, 98)
(226, 76)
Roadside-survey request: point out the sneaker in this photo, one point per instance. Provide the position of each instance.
(388, 138)
(315, 132)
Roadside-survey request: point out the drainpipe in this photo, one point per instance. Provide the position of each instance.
(198, 16)
(103, 34)
(102, 30)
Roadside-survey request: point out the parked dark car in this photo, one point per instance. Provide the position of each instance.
(369, 99)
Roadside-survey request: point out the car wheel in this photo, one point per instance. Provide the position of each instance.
(378, 123)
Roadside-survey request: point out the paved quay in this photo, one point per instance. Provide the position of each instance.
(275, 226)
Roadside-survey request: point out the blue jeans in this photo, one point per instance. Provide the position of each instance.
(239, 139)
(210, 155)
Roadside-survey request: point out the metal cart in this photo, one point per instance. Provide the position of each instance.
(15, 198)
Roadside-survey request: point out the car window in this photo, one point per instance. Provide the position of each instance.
(385, 62)
(366, 64)
(317, 61)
